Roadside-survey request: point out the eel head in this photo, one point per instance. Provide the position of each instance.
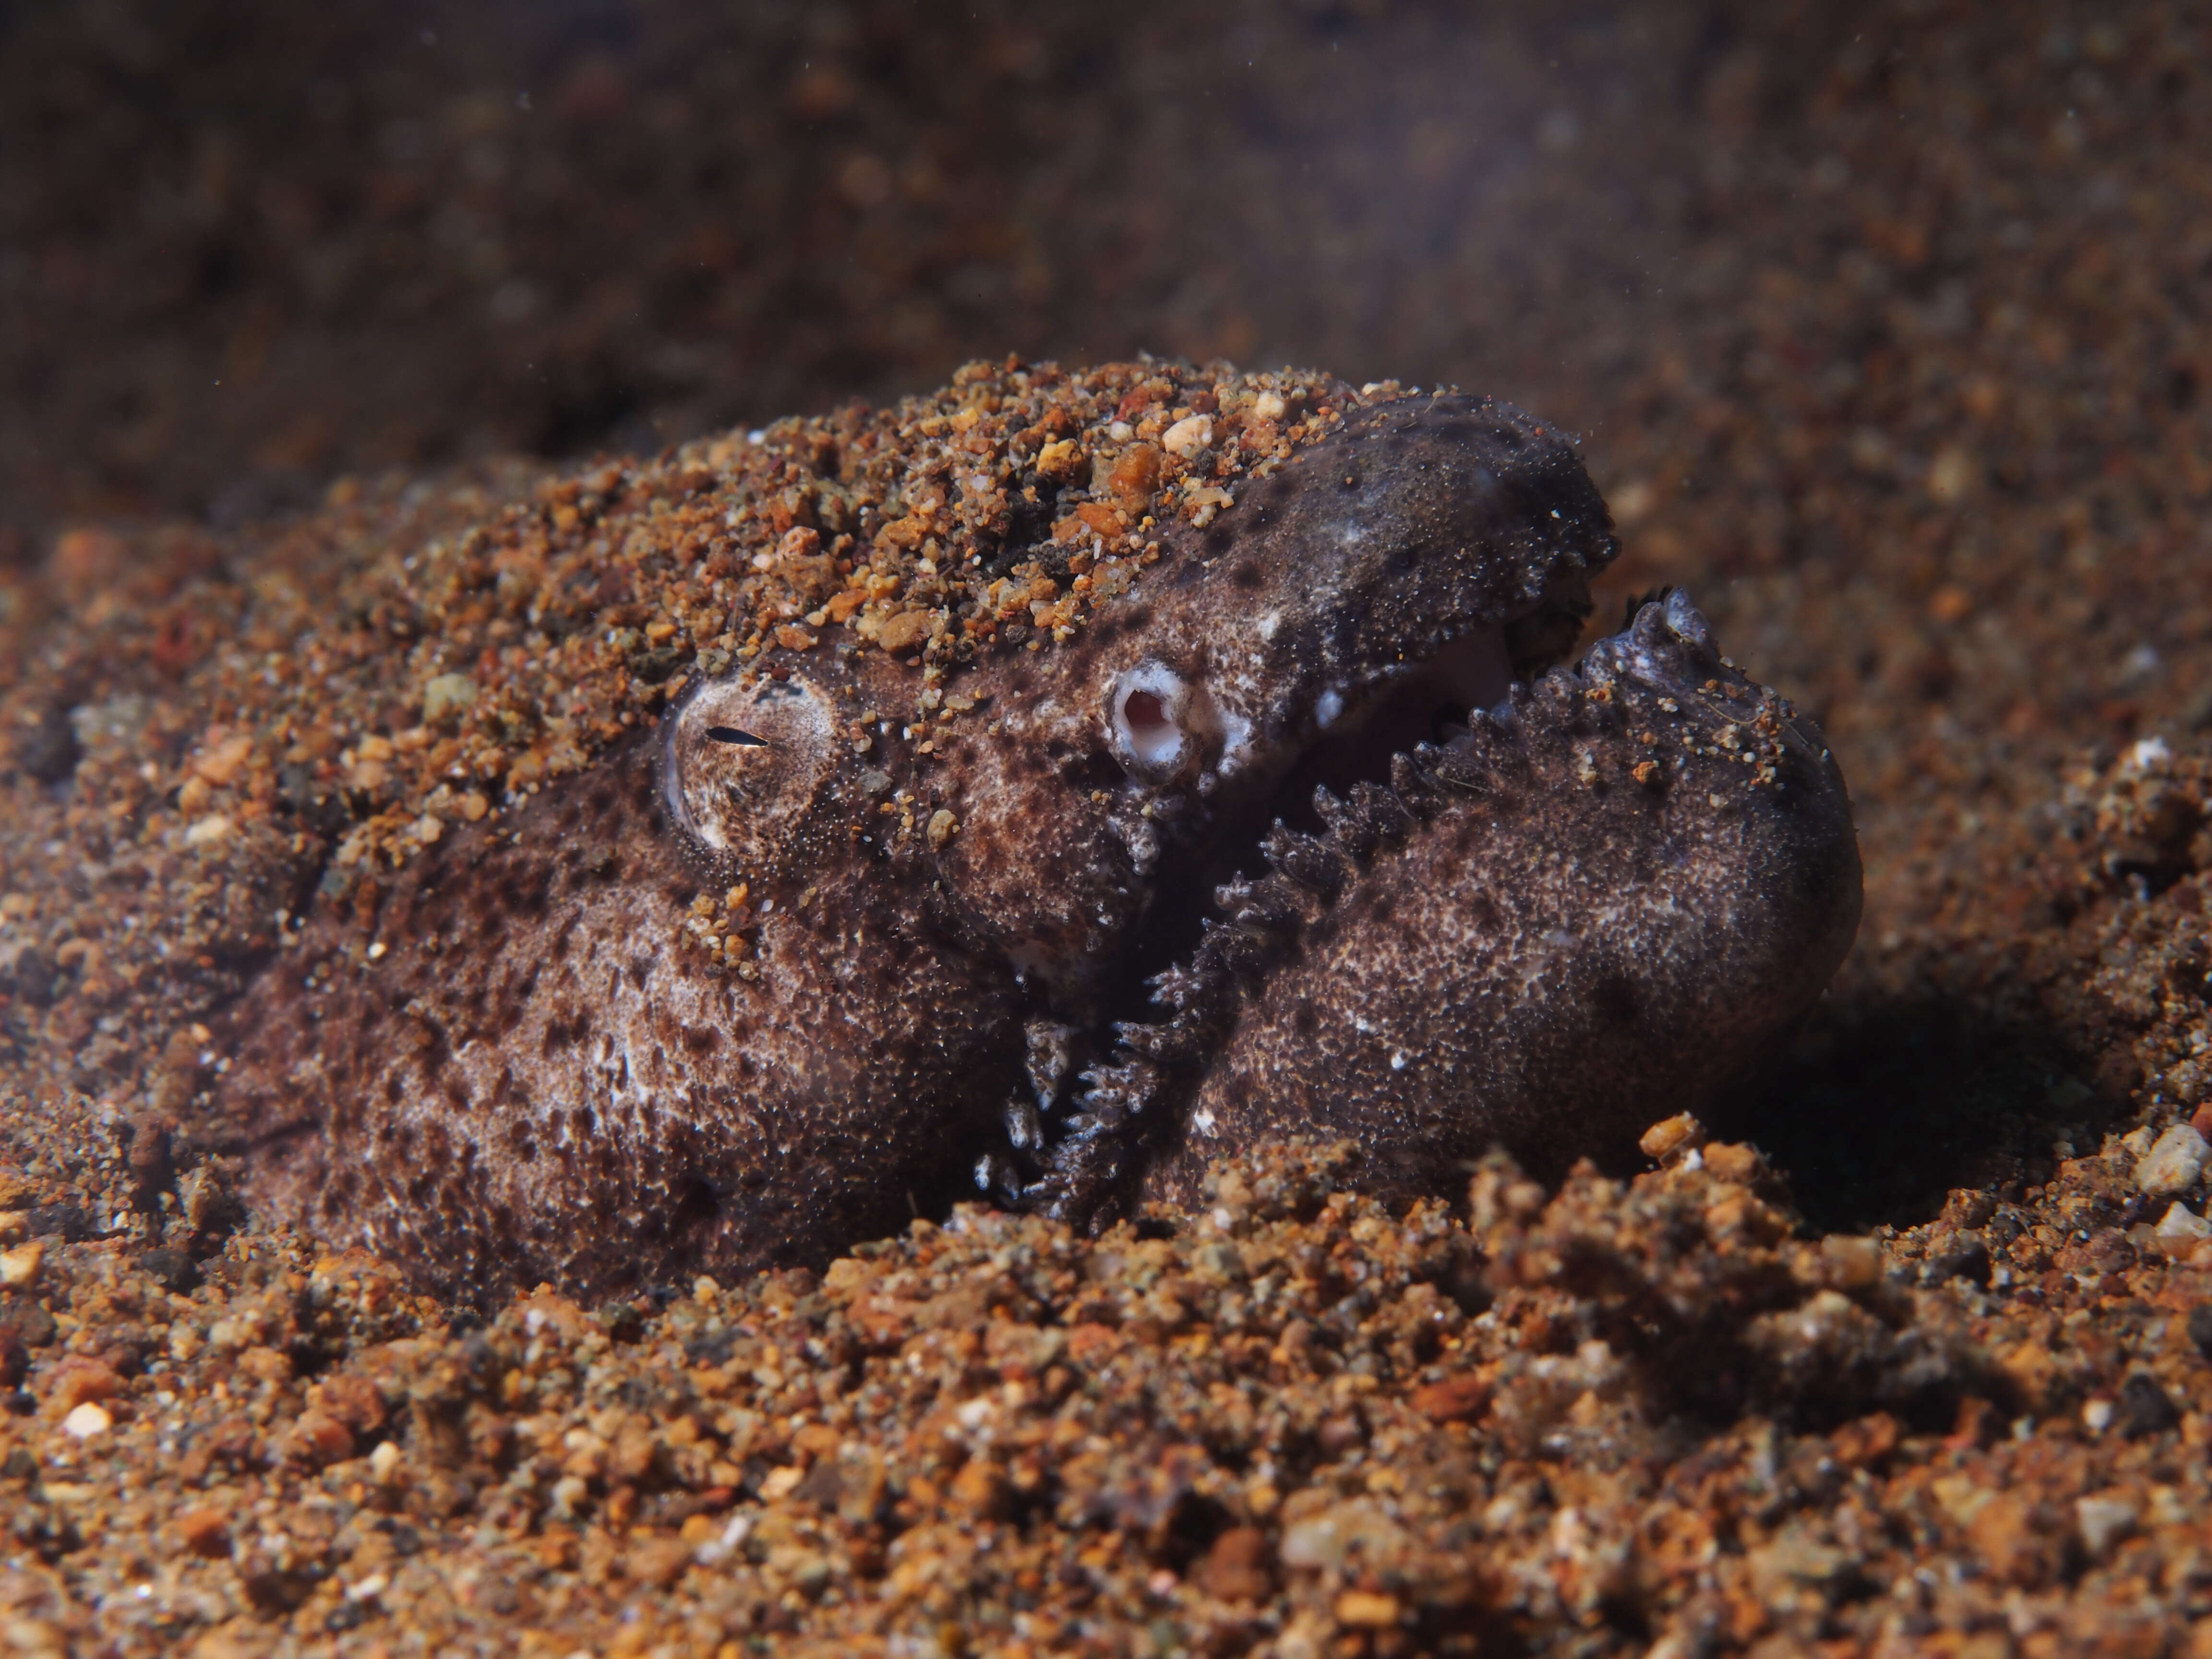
(1590, 906)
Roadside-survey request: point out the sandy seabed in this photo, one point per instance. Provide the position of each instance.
(1885, 332)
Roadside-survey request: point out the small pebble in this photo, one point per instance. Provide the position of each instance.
(1188, 436)
(2179, 1231)
(1854, 1262)
(446, 694)
(1367, 1610)
(1679, 1133)
(86, 1420)
(2174, 1163)
(2102, 1523)
(2144, 1408)
(205, 1531)
(18, 1267)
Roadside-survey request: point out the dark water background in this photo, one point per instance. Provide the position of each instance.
(245, 246)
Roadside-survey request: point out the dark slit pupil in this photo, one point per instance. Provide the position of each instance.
(731, 734)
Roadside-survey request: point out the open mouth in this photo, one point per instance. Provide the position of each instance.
(1363, 739)
(1276, 708)
(1432, 703)
(1220, 924)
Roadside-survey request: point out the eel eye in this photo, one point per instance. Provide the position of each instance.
(745, 762)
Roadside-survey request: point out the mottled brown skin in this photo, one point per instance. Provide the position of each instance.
(1590, 913)
(533, 1077)
(534, 1083)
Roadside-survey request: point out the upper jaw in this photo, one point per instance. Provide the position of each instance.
(1429, 540)
(1438, 546)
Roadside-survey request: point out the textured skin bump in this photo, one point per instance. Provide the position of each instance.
(509, 1062)
(1601, 907)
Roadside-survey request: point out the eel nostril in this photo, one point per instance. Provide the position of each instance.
(1144, 712)
(1151, 712)
(1154, 737)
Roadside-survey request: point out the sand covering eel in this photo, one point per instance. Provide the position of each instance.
(1299, 828)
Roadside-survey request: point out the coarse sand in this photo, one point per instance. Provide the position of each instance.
(1885, 330)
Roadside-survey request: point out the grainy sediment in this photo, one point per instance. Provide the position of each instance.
(1886, 344)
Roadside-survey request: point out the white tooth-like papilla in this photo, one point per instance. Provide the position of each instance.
(1687, 621)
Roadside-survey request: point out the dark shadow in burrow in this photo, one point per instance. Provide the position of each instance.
(1877, 1107)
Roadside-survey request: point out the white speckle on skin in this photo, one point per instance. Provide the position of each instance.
(1236, 745)
(1328, 707)
(1203, 1121)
